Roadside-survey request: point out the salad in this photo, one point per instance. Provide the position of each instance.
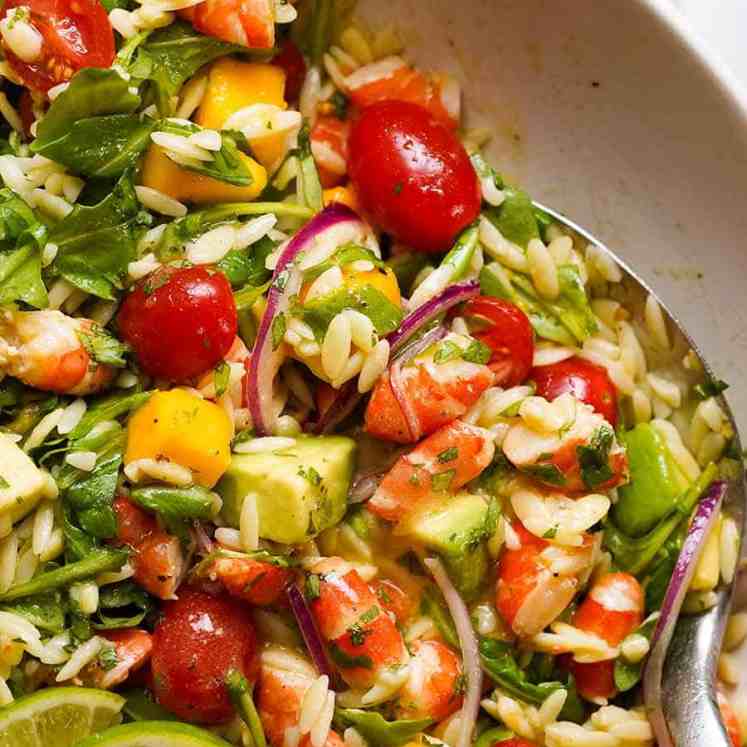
(314, 429)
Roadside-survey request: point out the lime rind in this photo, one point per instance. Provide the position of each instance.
(153, 734)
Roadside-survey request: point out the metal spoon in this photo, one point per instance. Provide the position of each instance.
(687, 714)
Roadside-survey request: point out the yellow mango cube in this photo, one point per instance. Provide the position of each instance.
(161, 173)
(234, 85)
(184, 429)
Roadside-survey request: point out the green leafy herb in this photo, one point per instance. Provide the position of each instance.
(103, 347)
(515, 217)
(550, 474)
(312, 587)
(46, 611)
(307, 181)
(432, 605)
(491, 737)
(594, 458)
(278, 330)
(551, 533)
(340, 102)
(92, 496)
(343, 256)
(221, 376)
(96, 243)
(369, 615)
(376, 730)
(4, 484)
(194, 502)
(710, 388)
(441, 481)
(140, 706)
(477, 352)
(249, 295)
(447, 351)
(108, 658)
(349, 661)
(247, 266)
(109, 407)
(628, 674)
(123, 605)
(448, 455)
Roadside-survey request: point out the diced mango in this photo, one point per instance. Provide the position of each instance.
(234, 85)
(385, 281)
(344, 195)
(185, 429)
(161, 173)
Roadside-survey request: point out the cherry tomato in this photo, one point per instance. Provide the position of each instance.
(508, 334)
(179, 321)
(294, 65)
(412, 175)
(198, 641)
(584, 380)
(75, 34)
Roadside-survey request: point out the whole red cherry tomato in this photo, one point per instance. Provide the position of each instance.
(74, 35)
(198, 641)
(179, 321)
(294, 65)
(584, 380)
(507, 331)
(412, 175)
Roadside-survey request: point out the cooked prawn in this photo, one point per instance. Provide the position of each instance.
(284, 678)
(158, 558)
(441, 464)
(132, 650)
(46, 350)
(250, 23)
(435, 393)
(255, 581)
(363, 640)
(329, 145)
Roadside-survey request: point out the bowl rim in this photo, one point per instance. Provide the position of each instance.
(717, 69)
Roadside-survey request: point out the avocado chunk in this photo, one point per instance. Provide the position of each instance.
(655, 482)
(456, 528)
(21, 481)
(301, 490)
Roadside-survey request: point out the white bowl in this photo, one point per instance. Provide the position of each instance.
(613, 113)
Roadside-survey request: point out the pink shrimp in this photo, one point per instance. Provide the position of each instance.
(441, 464)
(256, 582)
(237, 354)
(284, 678)
(363, 640)
(47, 350)
(132, 650)
(436, 394)
(434, 686)
(250, 23)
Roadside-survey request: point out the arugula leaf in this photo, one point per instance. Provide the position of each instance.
(92, 498)
(97, 243)
(174, 54)
(109, 407)
(247, 266)
(307, 181)
(46, 611)
(92, 92)
(594, 458)
(122, 605)
(628, 674)
(102, 147)
(515, 217)
(498, 661)
(103, 347)
(375, 729)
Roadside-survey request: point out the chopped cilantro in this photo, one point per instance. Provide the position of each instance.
(551, 533)
(221, 376)
(103, 347)
(447, 351)
(108, 659)
(547, 473)
(348, 661)
(448, 455)
(340, 101)
(477, 352)
(312, 588)
(278, 330)
(441, 482)
(594, 458)
(710, 388)
(369, 615)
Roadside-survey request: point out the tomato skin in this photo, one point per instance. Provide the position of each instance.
(179, 321)
(75, 35)
(510, 336)
(585, 381)
(412, 175)
(291, 60)
(199, 639)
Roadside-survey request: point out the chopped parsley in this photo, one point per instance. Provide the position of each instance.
(551, 533)
(312, 587)
(547, 473)
(447, 351)
(103, 347)
(477, 352)
(278, 330)
(108, 659)
(594, 458)
(448, 455)
(221, 376)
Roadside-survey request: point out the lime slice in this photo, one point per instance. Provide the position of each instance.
(153, 734)
(59, 716)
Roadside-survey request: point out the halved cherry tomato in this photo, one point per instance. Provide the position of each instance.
(75, 33)
(412, 175)
(584, 380)
(294, 65)
(179, 321)
(198, 641)
(507, 331)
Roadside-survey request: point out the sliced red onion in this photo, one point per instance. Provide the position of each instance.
(423, 315)
(431, 337)
(286, 282)
(706, 515)
(346, 398)
(309, 631)
(470, 652)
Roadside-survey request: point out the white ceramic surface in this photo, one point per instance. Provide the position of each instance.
(608, 110)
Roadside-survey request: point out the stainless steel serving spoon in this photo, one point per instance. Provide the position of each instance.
(688, 708)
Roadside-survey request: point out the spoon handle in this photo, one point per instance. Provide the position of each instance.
(688, 685)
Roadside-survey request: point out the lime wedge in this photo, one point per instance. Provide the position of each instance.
(59, 716)
(153, 734)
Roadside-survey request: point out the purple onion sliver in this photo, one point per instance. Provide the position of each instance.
(310, 634)
(431, 337)
(412, 323)
(263, 363)
(706, 514)
(346, 398)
